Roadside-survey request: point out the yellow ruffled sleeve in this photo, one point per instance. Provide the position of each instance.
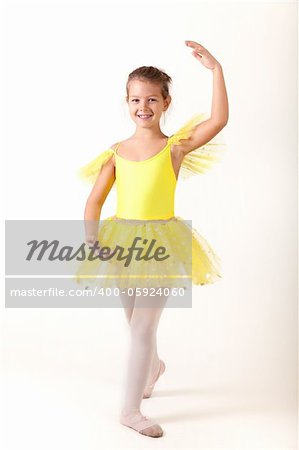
(202, 158)
(90, 171)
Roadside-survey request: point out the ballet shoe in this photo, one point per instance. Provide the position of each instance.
(142, 424)
(148, 390)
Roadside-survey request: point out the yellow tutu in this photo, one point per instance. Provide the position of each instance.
(184, 256)
(168, 251)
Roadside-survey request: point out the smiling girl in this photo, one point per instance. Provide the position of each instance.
(145, 168)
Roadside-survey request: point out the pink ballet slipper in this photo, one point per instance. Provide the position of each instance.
(150, 387)
(142, 424)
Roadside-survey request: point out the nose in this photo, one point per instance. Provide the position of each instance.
(143, 104)
(144, 111)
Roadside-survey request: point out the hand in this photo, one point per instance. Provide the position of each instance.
(91, 240)
(203, 55)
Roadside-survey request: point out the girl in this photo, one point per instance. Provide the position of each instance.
(146, 167)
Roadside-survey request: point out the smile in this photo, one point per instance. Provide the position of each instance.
(144, 116)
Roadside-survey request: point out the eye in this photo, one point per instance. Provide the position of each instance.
(136, 99)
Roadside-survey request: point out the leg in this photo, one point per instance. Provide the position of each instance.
(128, 302)
(143, 326)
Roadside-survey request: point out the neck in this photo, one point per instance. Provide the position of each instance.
(148, 133)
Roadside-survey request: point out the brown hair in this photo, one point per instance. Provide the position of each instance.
(153, 74)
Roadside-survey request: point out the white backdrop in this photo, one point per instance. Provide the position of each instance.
(231, 360)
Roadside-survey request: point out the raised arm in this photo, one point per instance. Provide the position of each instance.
(209, 128)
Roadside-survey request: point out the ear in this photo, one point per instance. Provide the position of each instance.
(168, 101)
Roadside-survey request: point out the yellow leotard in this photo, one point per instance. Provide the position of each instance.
(145, 189)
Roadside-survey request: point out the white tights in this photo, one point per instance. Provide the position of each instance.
(143, 356)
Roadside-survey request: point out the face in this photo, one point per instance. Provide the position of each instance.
(145, 99)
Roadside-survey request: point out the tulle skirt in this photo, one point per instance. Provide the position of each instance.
(149, 253)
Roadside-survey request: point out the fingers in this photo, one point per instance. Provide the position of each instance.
(91, 241)
(194, 44)
(197, 55)
(199, 48)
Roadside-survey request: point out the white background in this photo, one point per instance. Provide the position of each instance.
(231, 360)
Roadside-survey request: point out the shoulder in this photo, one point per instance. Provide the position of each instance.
(113, 147)
(126, 144)
(123, 143)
